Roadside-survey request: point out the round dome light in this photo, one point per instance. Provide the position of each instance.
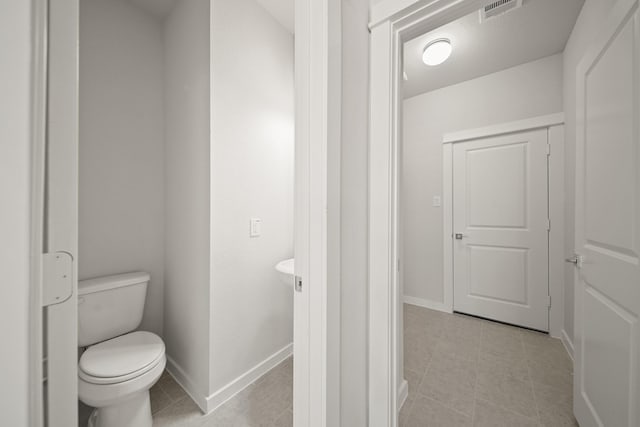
(436, 52)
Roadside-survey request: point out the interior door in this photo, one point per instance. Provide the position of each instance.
(607, 292)
(500, 226)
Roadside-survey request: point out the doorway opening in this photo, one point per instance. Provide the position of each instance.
(475, 215)
(160, 181)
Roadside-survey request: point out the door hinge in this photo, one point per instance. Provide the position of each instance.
(57, 278)
(548, 224)
(548, 150)
(549, 306)
(298, 284)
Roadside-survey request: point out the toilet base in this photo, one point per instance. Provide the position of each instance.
(133, 412)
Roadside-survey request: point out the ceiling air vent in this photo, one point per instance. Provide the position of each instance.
(498, 8)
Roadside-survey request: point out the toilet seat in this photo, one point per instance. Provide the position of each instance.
(121, 359)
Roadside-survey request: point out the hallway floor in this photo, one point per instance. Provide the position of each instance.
(464, 371)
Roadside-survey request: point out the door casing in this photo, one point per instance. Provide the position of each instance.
(317, 107)
(392, 22)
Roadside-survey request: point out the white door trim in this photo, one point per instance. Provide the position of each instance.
(317, 107)
(38, 147)
(61, 224)
(531, 123)
(393, 22)
(317, 75)
(555, 126)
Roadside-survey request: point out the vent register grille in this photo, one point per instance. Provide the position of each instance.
(497, 8)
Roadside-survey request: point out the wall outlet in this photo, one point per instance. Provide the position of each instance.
(437, 201)
(255, 227)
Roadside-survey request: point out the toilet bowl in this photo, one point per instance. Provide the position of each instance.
(118, 367)
(115, 377)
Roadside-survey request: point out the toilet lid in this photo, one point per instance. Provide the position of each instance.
(121, 356)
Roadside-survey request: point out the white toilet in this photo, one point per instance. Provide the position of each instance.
(119, 367)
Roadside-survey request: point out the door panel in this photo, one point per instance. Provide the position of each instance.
(607, 294)
(505, 186)
(498, 273)
(500, 210)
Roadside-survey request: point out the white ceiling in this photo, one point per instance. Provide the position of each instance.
(158, 8)
(282, 11)
(539, 28)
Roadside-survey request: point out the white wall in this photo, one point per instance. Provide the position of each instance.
(121, 143)
(187, 138)
(15, 170)
(591, 17)
(354, 213)
(528, 90)
(251, 176)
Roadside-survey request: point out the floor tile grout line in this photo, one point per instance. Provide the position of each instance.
(438, 401)
(527, 382)
(508, 410)
(475, 390)
(457, 411)
(522, 349)
(533, 389)
(424, 374)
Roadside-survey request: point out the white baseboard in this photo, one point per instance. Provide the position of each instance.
(403, 393)
(236, 386)
(186, 383)
(433, 305)
(568, 344)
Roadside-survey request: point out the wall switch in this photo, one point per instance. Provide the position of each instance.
(437, 201)
(255, 227)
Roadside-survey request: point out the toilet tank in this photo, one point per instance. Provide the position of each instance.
(110, 306)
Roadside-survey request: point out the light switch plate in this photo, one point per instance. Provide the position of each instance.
(437, 201)
(255, 227)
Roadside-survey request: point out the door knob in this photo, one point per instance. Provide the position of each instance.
(460, 236)
(577, 259)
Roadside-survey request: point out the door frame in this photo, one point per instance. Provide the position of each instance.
(392, 22)
(316, 384)
(53, 196)
(554, 123)
(316, 308)
(61, 212)
(38, 155)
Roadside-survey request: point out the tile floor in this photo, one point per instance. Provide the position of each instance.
(265, 403)
(464, 371)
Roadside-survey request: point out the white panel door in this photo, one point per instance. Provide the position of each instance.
(607, 292)
(500, 226)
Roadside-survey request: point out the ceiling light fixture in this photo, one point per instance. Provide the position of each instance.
(436, 52)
